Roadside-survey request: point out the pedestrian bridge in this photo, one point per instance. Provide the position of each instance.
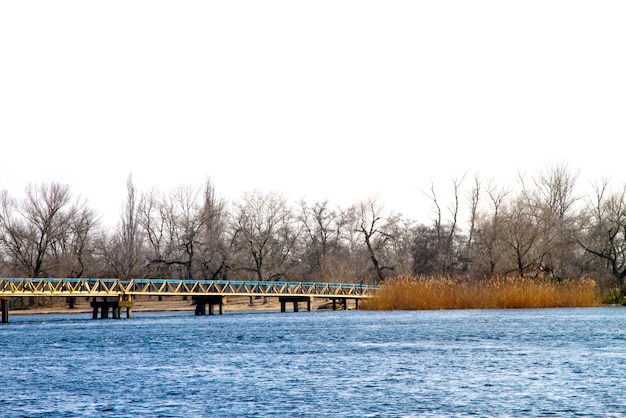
(115, 294)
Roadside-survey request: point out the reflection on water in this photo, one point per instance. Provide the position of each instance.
(559, 362)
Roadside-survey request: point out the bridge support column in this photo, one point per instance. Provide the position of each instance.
(295, 300)
(4, 302)
(202, 302)
(115, 306)
(344, 303)
(125, 302)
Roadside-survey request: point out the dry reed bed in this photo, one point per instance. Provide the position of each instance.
(412, 293)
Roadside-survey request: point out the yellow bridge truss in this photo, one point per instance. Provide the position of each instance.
(88, 287)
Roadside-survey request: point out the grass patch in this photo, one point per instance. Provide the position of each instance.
(427, 293)
(614, 300)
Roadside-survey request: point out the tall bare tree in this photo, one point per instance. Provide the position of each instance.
(29, 228)
(448, 254)
(377, 232)
(604, 234)
(553, 200)
(522, 237)
(322, 238)
(13, 237)
(265, 235)
(173, 225)
(120, 252)
(215, 258)
(473, 199)
(74, 251)
(488, 247)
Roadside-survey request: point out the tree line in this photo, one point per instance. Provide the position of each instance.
(540, 226)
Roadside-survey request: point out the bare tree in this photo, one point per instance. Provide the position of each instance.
(74, 251)
(31, 227)
(152, 218)
(604, 234)
(322, 237)
(120, 253)
(265, 235)
(552, 201)
(448, 254)
(398, 252)
(215, 257)
(173, 225)
(346, 259)
(522, 237)
(490, 232)
(473, 198)
(377, 234)
(13, 237)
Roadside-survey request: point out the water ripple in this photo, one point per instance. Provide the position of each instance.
(559, 362)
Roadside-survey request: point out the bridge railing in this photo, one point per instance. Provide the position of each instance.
(59, 287)
(117, 287)
(246, 288)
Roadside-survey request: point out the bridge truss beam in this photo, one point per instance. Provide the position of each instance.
(116, 293)
(65, 287)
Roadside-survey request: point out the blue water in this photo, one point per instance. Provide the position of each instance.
(553, 362)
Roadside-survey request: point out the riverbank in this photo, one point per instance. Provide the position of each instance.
(167, 304)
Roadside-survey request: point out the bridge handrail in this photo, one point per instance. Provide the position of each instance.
(250, 282)
(121, 286)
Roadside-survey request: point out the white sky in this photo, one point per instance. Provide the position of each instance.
(337, 100)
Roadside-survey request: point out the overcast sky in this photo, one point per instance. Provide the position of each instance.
(337, 100)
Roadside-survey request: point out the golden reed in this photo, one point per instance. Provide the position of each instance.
(501, 292)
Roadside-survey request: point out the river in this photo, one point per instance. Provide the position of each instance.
(536, 362)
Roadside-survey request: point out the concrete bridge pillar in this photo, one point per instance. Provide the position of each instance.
(344, 303)
(295, 300)
(115, 306)
(4, 304)
(126, 302)
(211, 301)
